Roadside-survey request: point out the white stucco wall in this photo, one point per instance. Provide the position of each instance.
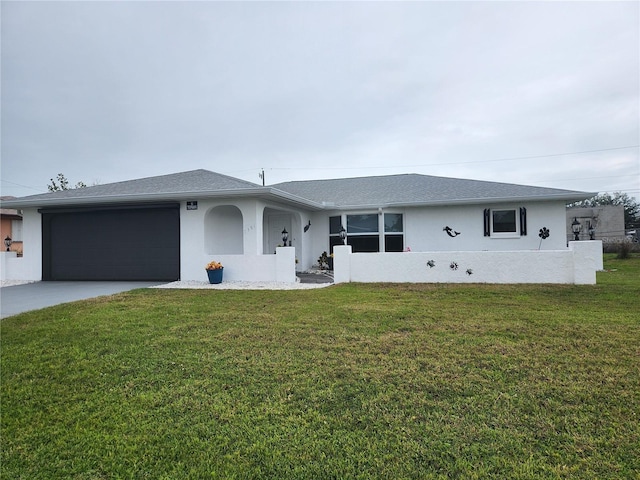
(424, 228)
(224, 230)
(250, 268)
(194, 249)
(253, 265)
(577, 264)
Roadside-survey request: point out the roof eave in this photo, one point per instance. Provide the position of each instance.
(261, 192)
(566, 197)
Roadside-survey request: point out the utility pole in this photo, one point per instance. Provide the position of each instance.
(261, 175)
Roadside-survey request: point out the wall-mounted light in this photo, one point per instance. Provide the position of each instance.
(8, 242)
(343, 235)
(575, 228)
(591, 230)
(285, 237)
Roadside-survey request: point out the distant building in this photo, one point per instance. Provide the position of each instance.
(604, 222)
(11, 227)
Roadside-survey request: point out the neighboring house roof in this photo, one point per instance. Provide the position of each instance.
(390, 190)
(9, 212)
(414, 189)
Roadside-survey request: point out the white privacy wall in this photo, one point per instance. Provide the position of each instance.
(575, 265)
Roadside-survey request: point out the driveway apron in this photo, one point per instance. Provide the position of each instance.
(33, 296)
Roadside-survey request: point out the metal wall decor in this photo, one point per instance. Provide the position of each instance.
(451, 232)
(543, 233)
(453, 266)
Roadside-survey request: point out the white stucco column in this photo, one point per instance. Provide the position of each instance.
(342, 263)
(252, 226)
(29, 266)
(587, 260)
(286, 264)
(4, 274)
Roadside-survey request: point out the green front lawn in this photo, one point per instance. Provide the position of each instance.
(351, 381)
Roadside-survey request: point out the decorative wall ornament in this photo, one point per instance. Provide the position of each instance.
(544, 233)
(450, 231)
(453, 266)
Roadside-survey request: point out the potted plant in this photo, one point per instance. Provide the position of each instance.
(214, 271)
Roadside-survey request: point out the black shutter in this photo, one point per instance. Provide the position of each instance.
(487, 222)
(523, 221)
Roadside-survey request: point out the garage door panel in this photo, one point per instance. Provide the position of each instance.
(112, 244)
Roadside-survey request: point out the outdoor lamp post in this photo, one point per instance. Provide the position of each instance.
(592, 231)
(285, 236)
(343, 235)
(8, 242)
(575, 228)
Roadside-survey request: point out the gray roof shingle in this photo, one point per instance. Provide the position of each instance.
(414, 189)
(184, 182)
(390, 190)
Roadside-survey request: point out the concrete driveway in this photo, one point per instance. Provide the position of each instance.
(33, 296)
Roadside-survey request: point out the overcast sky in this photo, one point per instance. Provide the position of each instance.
(537, 93)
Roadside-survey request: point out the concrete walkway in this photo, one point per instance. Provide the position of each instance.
(33, 296)
(16, 299)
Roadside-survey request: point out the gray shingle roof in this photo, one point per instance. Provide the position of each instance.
(414, 189)
(390, 190)
(184, 182)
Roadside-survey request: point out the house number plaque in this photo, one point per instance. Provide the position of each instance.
(192, 205)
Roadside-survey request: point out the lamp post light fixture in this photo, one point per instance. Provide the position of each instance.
(285, 237)
(343, 235)
(592, 231)
(8, 242)
(575, 228)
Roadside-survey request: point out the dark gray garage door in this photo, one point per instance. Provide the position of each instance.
(112, 243)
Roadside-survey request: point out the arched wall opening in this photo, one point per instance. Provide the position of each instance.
(223, 231)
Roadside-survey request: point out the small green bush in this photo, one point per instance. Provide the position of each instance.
(624, 249)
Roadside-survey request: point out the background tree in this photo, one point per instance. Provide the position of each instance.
(62, 184)
(631, 206)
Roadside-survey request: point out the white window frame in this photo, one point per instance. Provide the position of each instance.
(516, 232)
